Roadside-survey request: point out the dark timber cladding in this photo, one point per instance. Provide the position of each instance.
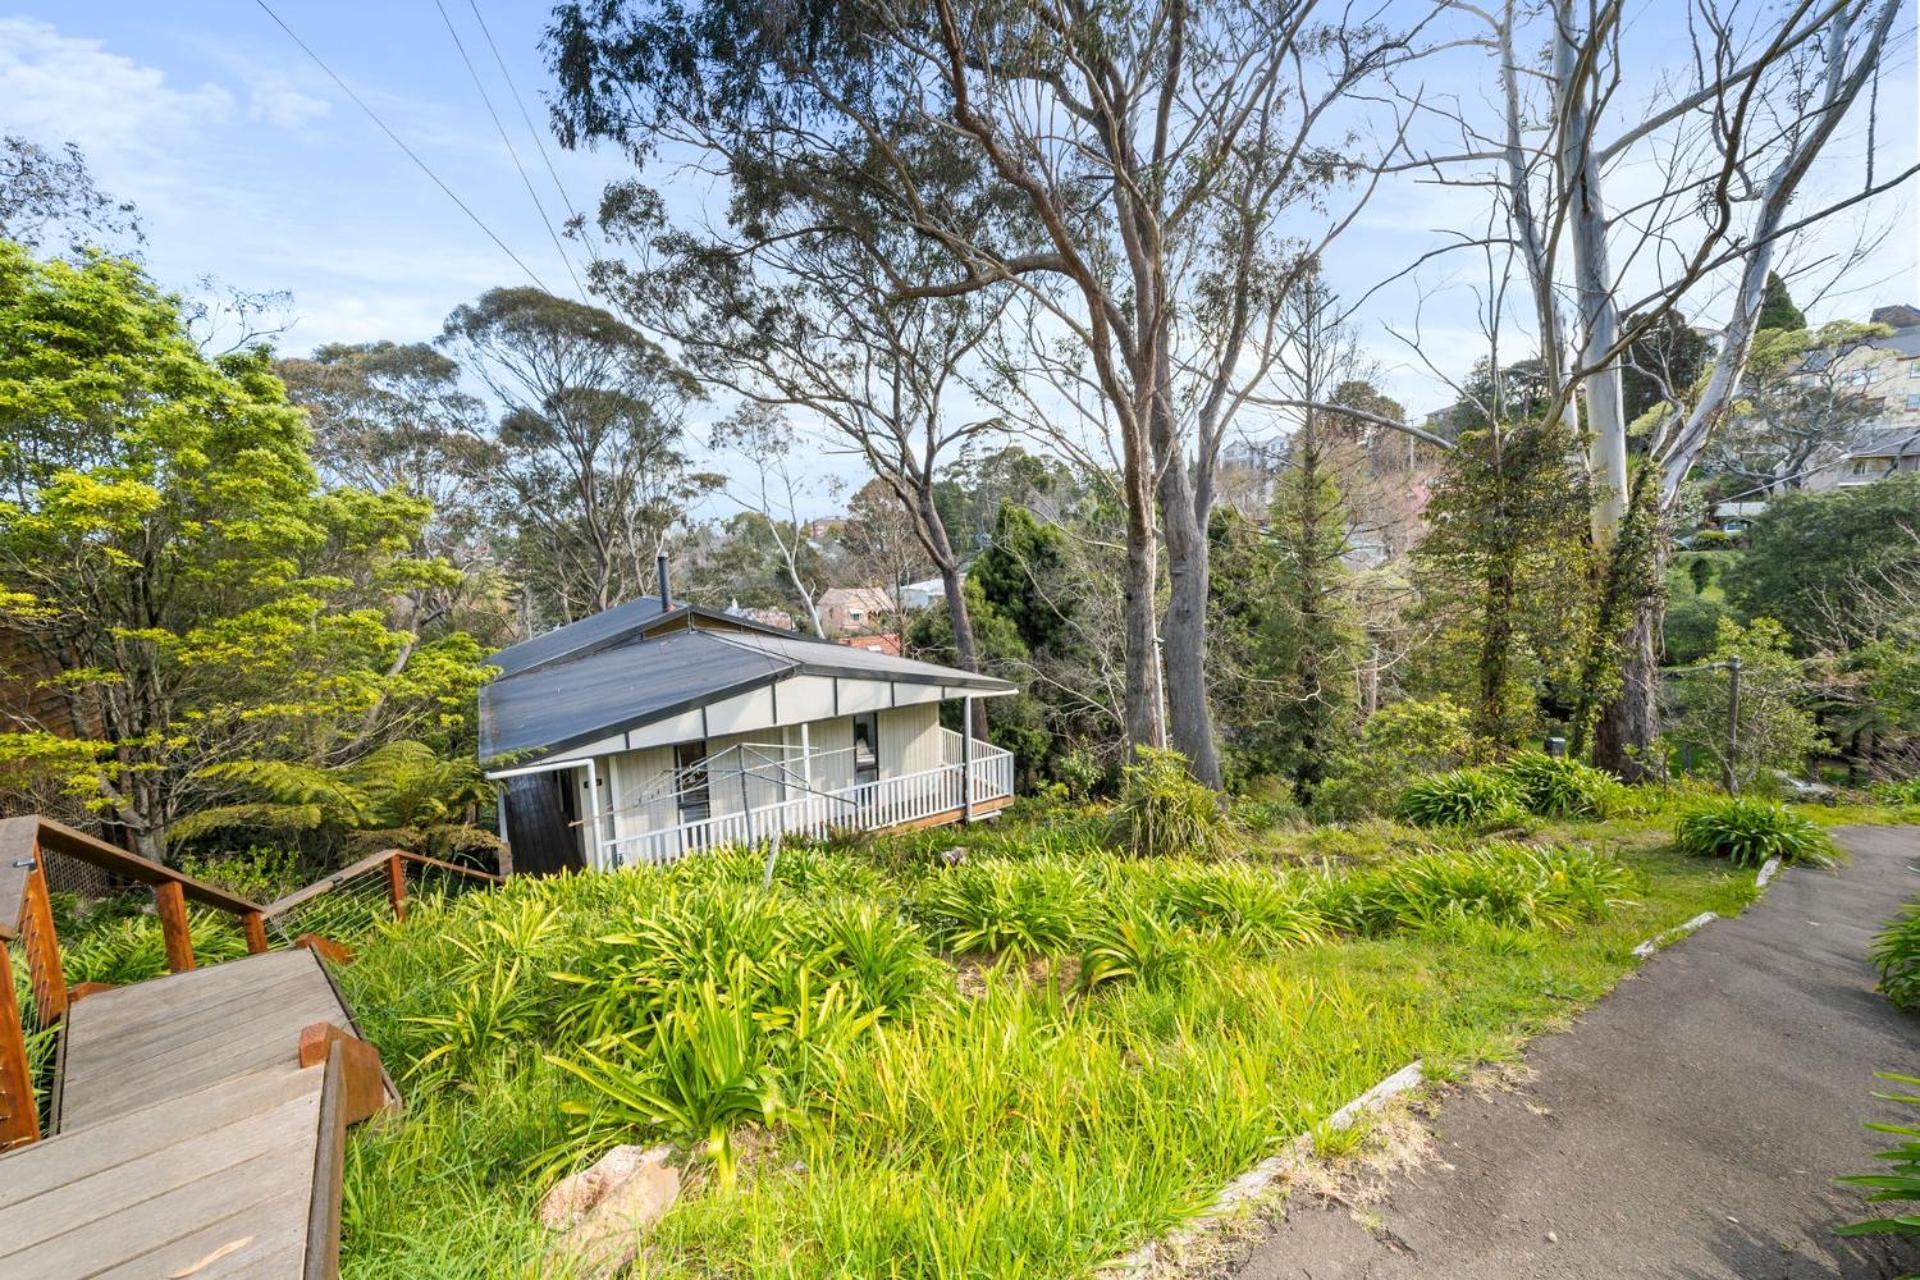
(190, 1140)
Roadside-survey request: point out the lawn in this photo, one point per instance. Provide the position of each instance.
(1024, 1065)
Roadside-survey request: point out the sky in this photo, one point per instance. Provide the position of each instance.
(250, 164)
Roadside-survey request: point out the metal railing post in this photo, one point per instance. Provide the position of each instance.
(1733, 725)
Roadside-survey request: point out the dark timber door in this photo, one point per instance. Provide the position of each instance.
(540, 817)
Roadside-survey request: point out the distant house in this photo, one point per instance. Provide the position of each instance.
(765, 617)
(880, 642)
(1875, 455)
(852, 610)
(915, 596)
(657, 729)
(1886, 371)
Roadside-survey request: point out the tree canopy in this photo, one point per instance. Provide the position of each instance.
(166, 544)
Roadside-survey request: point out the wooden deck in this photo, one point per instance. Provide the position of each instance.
(189, 1139)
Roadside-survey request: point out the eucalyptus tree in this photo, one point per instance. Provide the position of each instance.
(760, 438)
(51, 196)
(389, 415)
(793, 313)
(394, 417)
(587, 464)
(1127, 170)
(1732, 123)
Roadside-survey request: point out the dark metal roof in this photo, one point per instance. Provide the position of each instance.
(824, 658)
(578, 637)
(634, 619)
(556, 703)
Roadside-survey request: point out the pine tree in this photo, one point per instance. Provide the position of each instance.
(1778, 310)
(1505, 560)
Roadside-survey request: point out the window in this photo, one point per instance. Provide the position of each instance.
(866, 748)
(1913, 368)
(1913, 402)
(690, 768)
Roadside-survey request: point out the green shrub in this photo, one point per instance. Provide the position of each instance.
(1554, 787)
(1507, 884)
(1080, 773)
(1163, 812)
(628, 978)
(881, 957)
(707, 1075)
(1400, 742)
(1016, 909)
(1256, 908)
(1904, 792)
(1266, 806)
(1896, 952)
(1459, 798)
(1748, 832)
(131, 948)
(1131, 943)
(259, 874)
(1899, 1183)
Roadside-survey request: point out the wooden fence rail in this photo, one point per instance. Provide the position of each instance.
(26, 921)
(391, 863)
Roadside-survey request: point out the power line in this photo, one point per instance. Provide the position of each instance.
(525, 181)
(539, 139)
(395, 138)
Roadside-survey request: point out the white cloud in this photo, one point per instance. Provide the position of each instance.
(273, 100)
(56, 88)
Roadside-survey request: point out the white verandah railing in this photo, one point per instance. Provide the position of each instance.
(866, 806)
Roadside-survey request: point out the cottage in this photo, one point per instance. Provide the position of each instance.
(1875, 455)
(849, 610)
(656, 729)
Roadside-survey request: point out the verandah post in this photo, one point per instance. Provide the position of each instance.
(966, 761)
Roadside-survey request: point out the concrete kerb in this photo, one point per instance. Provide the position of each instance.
(1679, 931)
(1767, 872)
(1244, 1190)
(1257, 1181)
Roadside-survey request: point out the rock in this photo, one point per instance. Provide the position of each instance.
(953, 857)
(604, 1209)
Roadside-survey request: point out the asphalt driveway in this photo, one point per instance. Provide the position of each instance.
(1690, 1125)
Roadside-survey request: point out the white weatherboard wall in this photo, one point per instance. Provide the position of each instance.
(909, 740)
(643, 796)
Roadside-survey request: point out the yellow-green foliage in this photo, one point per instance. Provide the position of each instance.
(1163, 811)
(871, 1075)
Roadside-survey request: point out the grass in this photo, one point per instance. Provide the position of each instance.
(1025, 1065)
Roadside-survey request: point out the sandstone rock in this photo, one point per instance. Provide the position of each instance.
(604, 1209)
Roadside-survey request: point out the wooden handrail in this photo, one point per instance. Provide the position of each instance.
(387, 861)
(26, 917)
(24, 837)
